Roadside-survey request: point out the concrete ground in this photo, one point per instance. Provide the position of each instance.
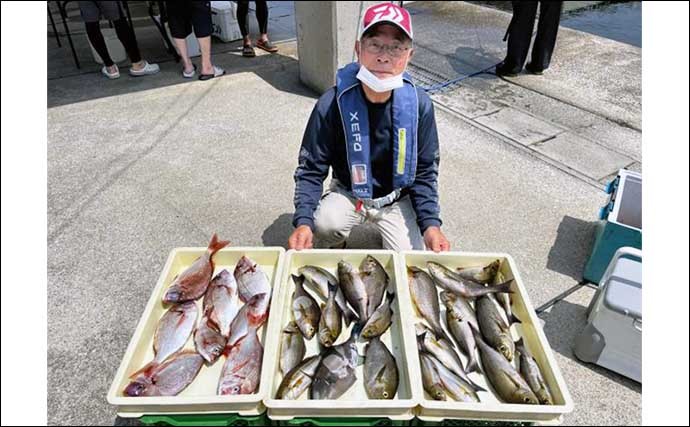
(137, 167)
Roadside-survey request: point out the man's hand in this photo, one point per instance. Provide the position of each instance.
(435, 240)
(301, 238)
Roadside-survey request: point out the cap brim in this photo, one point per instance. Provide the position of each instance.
(393, 23)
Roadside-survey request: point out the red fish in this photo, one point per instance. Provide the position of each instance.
(193, 282)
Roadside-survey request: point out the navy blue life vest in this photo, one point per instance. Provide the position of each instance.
(355, 119)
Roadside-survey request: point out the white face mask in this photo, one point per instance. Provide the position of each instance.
(376, 84)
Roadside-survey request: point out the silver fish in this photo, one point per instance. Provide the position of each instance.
(168, 378)
(336, 373)
(318, 279)
(425, 299)
(380, 371)
(192, 283)
(208, 340)
(532, 374)
(305, 309)
(242, 369)
(354, 289)
(330, 323)
(251, 279)
(221, 300)
(292, 348)
(375, 281)
(507, 382)
(451, 281)
(482, 275)
(431, 380)
(459, 316)
(494, 328)
(380, 320)
(250, 317)
(441, 349)
(455, 386)
(299, 378)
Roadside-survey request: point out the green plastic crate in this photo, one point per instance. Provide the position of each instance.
(454, 422)
(205, 420)
(345, 421)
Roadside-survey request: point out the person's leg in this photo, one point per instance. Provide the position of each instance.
(397, 224)
(334, 219)
(242, 12)
(93, 31)
(547, 30)
(520, 35)
(180, 27)
(203, 27)
(262, 17)
(126, 35)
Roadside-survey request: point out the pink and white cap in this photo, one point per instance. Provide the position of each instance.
(387, 13)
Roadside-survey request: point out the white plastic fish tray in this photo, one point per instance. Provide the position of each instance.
(200, 396)
(355, 402)
(490, 407)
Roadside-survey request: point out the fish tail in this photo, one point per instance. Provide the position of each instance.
(504, 287)
(473, 366)
(390, 296)
(215, 245)
(356, 330)
(349, 316)
(520, 343)
(476, 386)
(514, 319)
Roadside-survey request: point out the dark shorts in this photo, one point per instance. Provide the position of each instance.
(93, 11)
(183, 15)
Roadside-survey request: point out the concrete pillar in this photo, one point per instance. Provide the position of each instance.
(326, 35)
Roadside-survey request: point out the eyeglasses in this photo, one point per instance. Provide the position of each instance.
(376, 48)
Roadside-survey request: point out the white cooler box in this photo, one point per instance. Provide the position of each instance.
(612, 337)
(224, 19)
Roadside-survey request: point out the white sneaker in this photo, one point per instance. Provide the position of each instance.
(111, 76)
(148, 69)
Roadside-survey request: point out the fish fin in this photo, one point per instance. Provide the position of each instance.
(477, 335)
(215, 245)
(380, 373)
(146, 370)
(504, 287)
(444, 336)
(473, 366)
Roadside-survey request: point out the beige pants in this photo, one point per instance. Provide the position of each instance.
(336, 216)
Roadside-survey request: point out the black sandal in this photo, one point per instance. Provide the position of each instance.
(248, 51)
(217, 72)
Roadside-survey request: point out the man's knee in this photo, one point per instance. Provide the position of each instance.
(328, 225)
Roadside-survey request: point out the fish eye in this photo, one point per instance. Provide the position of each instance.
(527, 399)
(385, 394)
(236, 389)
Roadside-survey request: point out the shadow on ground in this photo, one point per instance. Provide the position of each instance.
(572, 247)
(364, 236)
(563, 322)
